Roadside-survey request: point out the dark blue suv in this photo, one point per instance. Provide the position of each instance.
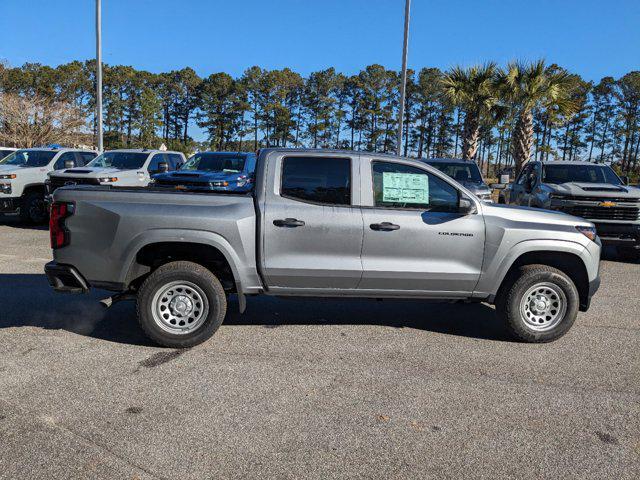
(212, 171)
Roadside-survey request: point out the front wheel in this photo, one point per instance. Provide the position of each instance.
(539, 305)
(33, 208)
(181, 304)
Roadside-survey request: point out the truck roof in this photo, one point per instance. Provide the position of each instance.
(140, 150)
(55, 149)
(332, 150)
(447, 160)
(570, 162)
(211, 152)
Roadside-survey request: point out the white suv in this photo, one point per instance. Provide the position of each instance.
(23, 174)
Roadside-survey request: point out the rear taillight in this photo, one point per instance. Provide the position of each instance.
(57, 230)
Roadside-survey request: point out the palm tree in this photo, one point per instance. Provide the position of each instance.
(474, 91)
(532, 86)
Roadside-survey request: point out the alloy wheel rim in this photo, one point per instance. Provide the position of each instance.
(180, 307)
(543, 306)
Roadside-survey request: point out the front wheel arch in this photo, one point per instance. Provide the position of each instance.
(568, 263)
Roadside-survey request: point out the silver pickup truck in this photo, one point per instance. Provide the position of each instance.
(322, 223)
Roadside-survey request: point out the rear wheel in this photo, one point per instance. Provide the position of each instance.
(539, 305)
(181, 304)
(33, 208)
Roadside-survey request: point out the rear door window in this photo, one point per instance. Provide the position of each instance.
(321, 180)
(84, 157)
(175, 161)
(154, 164)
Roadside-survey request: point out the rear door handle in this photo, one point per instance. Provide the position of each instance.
(384, 226)
(288, 222)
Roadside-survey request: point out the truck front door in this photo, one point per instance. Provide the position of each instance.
(416, 240)
(312, 232)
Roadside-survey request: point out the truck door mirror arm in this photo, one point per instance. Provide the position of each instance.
(466, 206)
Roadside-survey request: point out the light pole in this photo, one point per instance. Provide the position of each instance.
(99, 73)
(403, 85)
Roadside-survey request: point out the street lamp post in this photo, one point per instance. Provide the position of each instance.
(403, 85)
(99, 73)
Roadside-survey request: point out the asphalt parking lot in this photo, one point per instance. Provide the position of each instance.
(312, 389)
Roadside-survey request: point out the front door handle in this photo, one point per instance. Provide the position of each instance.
(384, 226)
(288, 222)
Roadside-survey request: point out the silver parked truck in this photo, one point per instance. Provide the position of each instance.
(321, 223)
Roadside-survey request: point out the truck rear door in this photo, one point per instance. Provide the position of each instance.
(312, 227)
(415, 239)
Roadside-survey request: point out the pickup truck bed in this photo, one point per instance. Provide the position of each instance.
(125, 219)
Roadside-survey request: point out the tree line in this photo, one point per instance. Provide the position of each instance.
(497, 116)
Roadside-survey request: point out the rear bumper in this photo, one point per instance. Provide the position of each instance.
(65, 278)
(620, 235)
(9, 204)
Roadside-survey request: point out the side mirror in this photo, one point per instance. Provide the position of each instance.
(625, 179)
(179, 165)
(466, 206)
(163, 167)
(69, 164)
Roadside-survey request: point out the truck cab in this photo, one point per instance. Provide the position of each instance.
(23, 174)
(118, 168)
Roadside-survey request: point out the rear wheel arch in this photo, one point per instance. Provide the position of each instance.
(150, 256)
(33, 187)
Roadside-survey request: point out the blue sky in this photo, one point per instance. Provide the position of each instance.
(590, 37)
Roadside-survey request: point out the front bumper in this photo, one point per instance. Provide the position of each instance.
(65, 278)
(594, 285)
(619, 234)
(9, 204)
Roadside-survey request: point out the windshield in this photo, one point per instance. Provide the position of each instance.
(215, 162)
(28, 158)
(120, 160)
(580, 173)
(4, 153)
(461, 172)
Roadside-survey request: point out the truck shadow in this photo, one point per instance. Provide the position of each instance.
(469, 320)
(28, 301)
(15, 222)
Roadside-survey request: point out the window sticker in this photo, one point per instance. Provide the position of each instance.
(405, 188)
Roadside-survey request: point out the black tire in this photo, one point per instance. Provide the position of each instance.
(189, 273)
(508, 304)
(33, 208)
